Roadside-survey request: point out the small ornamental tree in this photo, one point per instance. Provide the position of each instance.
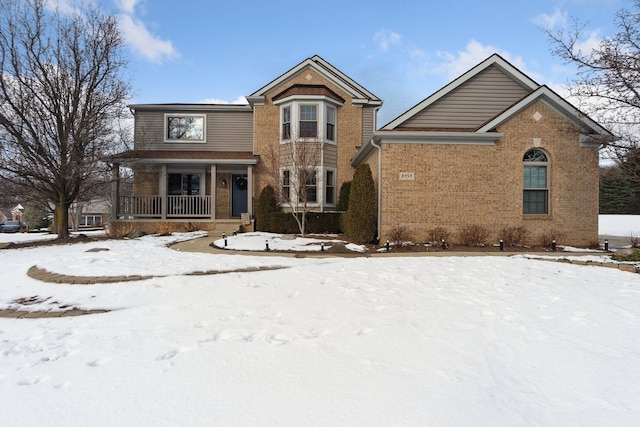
(343, 199)
(361, 217)
(267, 204)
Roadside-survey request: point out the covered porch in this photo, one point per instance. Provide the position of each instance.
(182, 186)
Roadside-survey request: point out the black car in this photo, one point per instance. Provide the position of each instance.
(10, 227)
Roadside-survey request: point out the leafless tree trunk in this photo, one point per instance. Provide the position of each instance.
(295, 169)
(61, 92)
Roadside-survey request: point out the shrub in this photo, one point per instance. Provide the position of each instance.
(474, 235)
(316, 223)
(267, 204)
(634, 239)
(400, 235)
(546, 238)
(165, 229)
(361, 217)
(343, 199)
(632, 256)
(514, 236)
(435, 236)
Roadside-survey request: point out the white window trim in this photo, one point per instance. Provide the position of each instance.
(321, 184)
(185, 141)
(294, 185)
(335, 124)
(321, 103)
(546, 164)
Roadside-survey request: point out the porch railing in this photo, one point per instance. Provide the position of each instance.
(188, 206)
(177, 206)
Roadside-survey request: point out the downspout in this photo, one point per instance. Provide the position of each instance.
(379, 148)
(379, 202)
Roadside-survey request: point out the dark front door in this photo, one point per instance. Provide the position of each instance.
(238, 195)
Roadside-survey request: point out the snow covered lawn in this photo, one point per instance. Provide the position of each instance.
(397, 341)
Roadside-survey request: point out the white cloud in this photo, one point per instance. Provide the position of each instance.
(127, 6)
(239, 100)
(386, 38)
(144, 43)
(454, 65)
(556, 20)
(64, 6)
(588, 44)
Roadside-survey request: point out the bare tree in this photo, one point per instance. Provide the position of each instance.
(607, 83)
(61, 93)
(295, 169)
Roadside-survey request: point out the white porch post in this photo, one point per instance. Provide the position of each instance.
(214, 186)
(115, 191)
(250, 189)
(163, 191)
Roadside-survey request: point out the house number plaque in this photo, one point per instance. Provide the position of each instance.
(407, 176)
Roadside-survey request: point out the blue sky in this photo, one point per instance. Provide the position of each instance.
(402, 51)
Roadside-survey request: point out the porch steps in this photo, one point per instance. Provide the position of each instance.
(227, 227)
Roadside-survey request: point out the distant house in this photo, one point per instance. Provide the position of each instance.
(94, 213)
(492, 148)
(17, 213)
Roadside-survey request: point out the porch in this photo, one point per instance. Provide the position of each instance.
(192, 187)
(169, 207)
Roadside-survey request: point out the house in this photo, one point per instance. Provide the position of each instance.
(89, 214)
(202, 165)
(492, 148)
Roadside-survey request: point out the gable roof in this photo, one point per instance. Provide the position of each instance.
(555, 102)
(403, 129)
(358, 93)
(520, 84)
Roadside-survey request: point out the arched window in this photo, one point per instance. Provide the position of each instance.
(536, 182)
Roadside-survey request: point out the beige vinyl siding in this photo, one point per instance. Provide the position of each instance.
(471, 104)
(226, 131)
(368, 124)
(330, 156)
(230, 130)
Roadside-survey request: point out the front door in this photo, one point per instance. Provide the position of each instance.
(239, 193)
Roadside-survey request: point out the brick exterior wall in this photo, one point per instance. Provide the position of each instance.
(266, 128)
(457, 185)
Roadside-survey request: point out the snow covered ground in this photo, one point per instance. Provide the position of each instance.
(454, 341)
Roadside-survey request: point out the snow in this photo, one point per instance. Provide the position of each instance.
(619, 225)
(364, 341)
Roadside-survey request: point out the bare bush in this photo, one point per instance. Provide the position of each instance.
(514, 236)
(435, 236)
(634, 239)
(474, 235)
(400, 235)
(546, 238)
(165, 229)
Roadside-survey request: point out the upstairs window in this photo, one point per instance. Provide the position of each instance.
(286, 123)
(536, 183)
(184, 128)
(308, 121)
(331, 124)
